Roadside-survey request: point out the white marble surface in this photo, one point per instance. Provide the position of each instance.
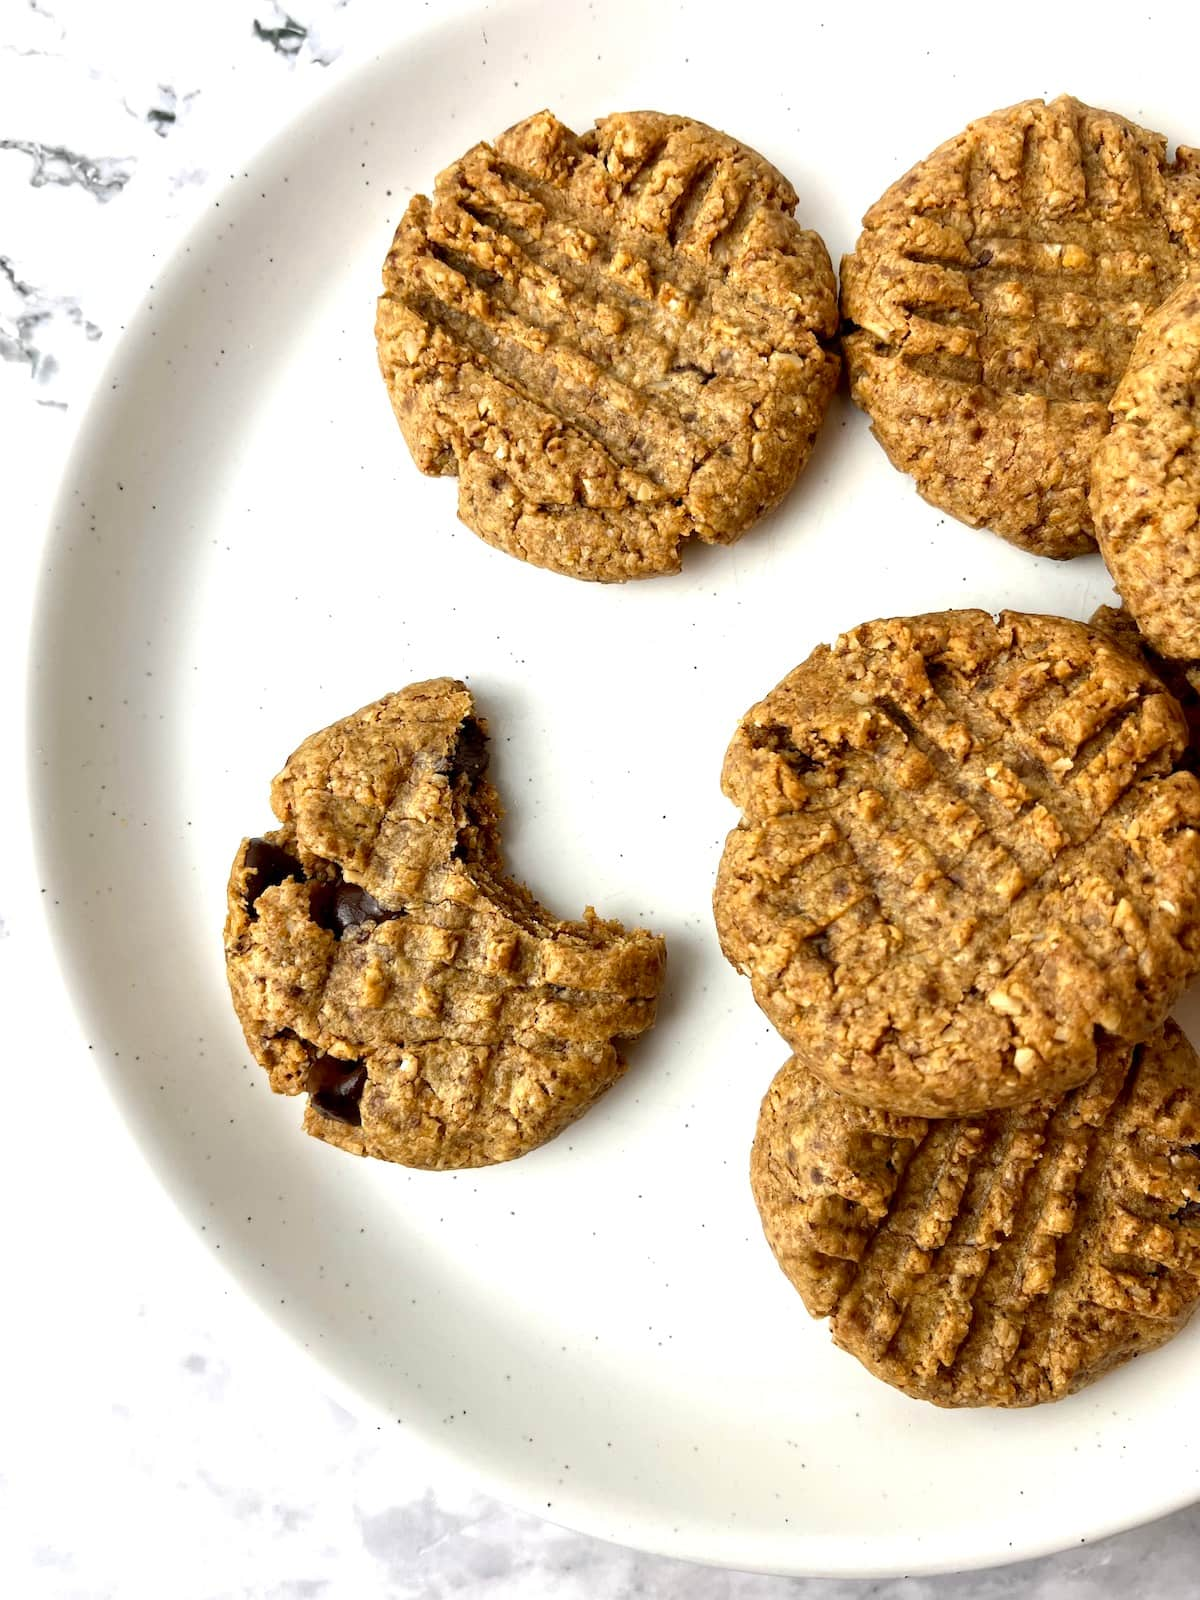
(155, 1442)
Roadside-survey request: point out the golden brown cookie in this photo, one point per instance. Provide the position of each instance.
(618, 341)
(381, 962)
(1181, 678)
(1003, 1260)
(994, 297)
(965, 857)
(1145, 494)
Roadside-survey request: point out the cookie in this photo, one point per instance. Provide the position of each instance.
(1145, 493)
(1181, 678)
(965, 857)
(618, 341)
(382, 963)
(993, 300)
(1003, 1260)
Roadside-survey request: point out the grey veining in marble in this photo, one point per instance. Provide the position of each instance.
(153, 1445)
(101, 176)
(293, 39)
(25, 338)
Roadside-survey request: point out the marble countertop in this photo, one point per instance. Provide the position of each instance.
(155, 1441)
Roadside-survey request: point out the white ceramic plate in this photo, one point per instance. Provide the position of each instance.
(243, 551)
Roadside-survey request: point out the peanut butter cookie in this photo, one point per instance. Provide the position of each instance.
(1145, 493)
(994, 297)
(966, 857)
(1181, 678)
(382, 963)
(618, 341)
(1003, 1260)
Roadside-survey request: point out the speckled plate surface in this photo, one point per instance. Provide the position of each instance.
(242, 551)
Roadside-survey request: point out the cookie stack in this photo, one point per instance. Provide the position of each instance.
(965, 884)
(966, 890)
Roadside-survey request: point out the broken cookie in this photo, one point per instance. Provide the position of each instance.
(382, 963)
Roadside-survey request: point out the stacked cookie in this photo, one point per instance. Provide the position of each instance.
(966, 890)
(965, 883)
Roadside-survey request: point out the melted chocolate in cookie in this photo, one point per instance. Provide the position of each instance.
(265, 865)
(342, 906)
(336, 1088)
(336, 906)
(469, 758)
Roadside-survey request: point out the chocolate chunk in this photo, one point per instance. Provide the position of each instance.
(336, 906)
(266, 864)
(339, 906)
(341, 1086)
(355, 905)
(347, 1111)
(470, 754)
(322, 903)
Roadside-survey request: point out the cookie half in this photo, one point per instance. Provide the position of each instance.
(998, 1261)
(1145, 494)
(382, 963)
(966, 856)
(618, 341)
(994, 297)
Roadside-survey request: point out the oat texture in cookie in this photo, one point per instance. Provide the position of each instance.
(1002, 1260)
(1146, 480)
(618, 341)
(993, 300)
(966, 856)
(382, 963)
(1182, 678)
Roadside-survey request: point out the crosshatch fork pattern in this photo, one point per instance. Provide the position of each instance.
(965, 853)
(1005, 1260)
(617, 341)
(1054, 251)
(433, 1011)
(1008, 276)
(1145, 489)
